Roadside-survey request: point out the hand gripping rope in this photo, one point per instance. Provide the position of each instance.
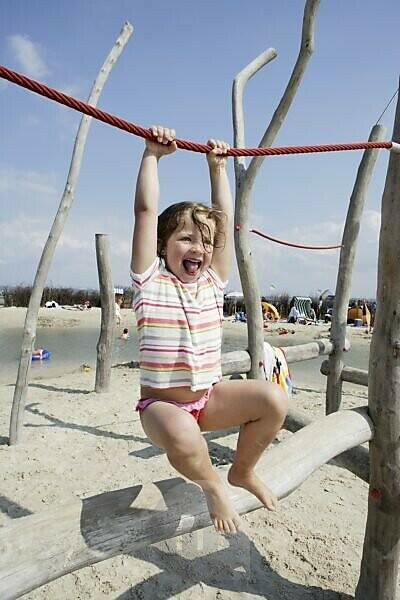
(87, 109)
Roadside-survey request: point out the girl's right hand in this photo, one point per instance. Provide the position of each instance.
(163, 143)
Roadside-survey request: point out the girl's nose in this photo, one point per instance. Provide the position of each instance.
(197, 246)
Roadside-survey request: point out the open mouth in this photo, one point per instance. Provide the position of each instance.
(192, 267)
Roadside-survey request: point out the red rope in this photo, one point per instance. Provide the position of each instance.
(284, 243)
(87, 109)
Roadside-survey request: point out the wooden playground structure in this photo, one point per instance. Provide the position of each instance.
(42, 547)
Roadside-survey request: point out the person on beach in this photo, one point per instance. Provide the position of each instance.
(117, 305)
(180, 264)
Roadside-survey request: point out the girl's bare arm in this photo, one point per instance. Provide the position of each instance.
(144, 241)
(221, 199)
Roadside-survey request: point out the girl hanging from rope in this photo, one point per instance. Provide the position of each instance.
(180, 264)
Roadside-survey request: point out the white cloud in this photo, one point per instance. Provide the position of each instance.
(28, 54)
(372, 222)
(121, 248)
(28, 183)
(74, 89)
(71, 243)
(21, 236)
(24, 233)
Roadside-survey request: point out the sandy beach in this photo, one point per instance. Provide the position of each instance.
(78, 443)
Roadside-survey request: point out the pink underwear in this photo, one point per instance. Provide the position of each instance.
(194, 408)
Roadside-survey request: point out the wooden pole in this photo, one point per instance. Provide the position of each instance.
(44, 546)
(379, 566)
(355, 460)
(345, 271)
(245, 177)
(349, 374)
(238, 361)
(107, 298)
(29, 335)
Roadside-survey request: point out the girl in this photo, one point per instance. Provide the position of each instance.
(180, 264)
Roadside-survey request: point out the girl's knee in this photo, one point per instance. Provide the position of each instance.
(185, 443)
(276, 401)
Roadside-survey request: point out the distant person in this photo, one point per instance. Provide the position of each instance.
(294, 315)
(319, 310)
(118, 317)
(180, 264)
(125, 334)
(373, 313)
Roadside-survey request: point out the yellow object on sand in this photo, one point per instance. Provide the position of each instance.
(359, 312)
(270, 311)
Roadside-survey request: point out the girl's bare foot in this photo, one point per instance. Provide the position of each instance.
(250, 482)
(224, 517)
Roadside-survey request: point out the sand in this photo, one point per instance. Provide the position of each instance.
(77, 443)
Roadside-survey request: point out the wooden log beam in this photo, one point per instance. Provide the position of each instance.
(42, 547)
(310, 350)
(238, 361)
(355, 460)
(349, 374)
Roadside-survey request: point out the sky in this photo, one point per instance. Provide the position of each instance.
(177, 70)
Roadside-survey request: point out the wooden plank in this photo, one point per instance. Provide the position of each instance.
(349, 374)
(42, 547)
(355, 460)
(238, 361)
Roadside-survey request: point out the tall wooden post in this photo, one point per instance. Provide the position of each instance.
(245, 177)
(378, 578)
(21, 385)
(107, 298)
(345, 271)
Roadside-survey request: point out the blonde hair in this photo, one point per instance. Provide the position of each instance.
(170, 219)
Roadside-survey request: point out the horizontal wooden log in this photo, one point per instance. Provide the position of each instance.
(355, 460)
(238, 361)
(42, 547)
(350, 374)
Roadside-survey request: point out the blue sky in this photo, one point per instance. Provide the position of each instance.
(177, 70)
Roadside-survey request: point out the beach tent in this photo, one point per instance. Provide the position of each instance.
(270, 311)
(234, 298)
(303, 305)
(359, 312)
(52, 304)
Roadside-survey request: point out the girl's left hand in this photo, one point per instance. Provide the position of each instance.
(217, 156)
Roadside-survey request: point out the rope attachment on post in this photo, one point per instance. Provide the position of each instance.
(87, 109)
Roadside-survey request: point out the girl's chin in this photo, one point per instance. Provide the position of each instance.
(190, 277)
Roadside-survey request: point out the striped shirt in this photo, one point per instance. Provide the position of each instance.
(179, 327)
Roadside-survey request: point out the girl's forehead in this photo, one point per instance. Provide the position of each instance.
(187, 223)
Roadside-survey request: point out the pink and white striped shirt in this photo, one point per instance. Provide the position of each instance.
(179, 327)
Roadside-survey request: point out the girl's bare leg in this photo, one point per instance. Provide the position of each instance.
(259, 407)
(177, 432)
